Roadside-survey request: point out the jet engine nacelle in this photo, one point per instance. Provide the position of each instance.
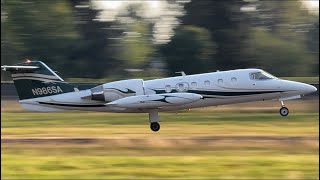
(116, 90)
(156, 100)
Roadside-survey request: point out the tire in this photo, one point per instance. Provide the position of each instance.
(155, 126)
(284, 111)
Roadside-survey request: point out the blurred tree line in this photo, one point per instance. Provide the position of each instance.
(280, 37)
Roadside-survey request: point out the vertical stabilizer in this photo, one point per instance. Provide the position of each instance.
(34, 79)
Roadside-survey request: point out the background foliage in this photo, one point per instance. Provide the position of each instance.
(76, 38)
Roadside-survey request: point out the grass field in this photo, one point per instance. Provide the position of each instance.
(245, 141)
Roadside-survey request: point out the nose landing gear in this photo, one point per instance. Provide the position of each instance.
(283, 110)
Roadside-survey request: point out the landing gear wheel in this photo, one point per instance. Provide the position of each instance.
(284, 111)
(155, 126)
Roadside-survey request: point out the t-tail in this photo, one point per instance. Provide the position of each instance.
(34, 79)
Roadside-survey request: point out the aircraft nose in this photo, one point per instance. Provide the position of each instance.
(297, 88)
(307, 89)
(310, 89)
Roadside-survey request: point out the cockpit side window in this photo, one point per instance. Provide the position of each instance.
(261, 75)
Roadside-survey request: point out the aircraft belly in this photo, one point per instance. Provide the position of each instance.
(51, 104)
(40, 108)
(223, 101)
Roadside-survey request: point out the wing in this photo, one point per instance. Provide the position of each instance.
(155, 100)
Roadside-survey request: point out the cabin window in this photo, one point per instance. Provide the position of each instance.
(234, 80)
(193, 85)
(207, 83)
(182, 87)
(220, 81)
(168, 88)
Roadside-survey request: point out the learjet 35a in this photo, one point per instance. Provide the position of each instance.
(41, 89)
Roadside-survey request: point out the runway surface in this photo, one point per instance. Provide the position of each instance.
(174, 140)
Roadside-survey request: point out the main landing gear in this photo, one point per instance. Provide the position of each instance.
(283, 110)
(154, 119)
(155, 126)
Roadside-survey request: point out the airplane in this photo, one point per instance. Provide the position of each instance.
(41, 89)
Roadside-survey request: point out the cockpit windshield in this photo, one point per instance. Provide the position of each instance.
(261, 75)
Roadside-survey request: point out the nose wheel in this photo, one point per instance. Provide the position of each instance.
(283, 110)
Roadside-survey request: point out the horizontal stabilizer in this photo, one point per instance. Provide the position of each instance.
(17, 68)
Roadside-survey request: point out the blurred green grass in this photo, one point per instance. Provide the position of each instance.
(185, 123)
(153, 156)
(220, 166)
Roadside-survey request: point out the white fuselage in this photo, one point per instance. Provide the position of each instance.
(217, 88)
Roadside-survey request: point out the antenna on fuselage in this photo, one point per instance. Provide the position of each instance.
(181, 72)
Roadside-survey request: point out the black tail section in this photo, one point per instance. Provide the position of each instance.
(35, 79)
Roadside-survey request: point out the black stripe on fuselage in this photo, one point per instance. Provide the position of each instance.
(73, 105)
(217, 93)
(221, 93)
